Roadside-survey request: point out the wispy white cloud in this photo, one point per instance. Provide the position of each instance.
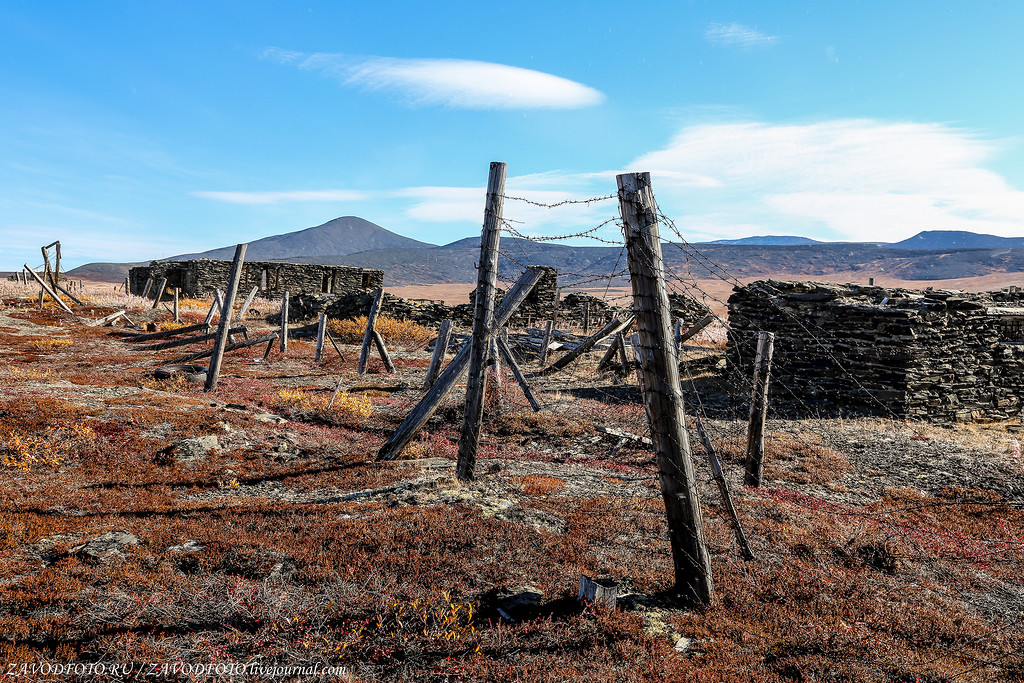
(280, 197)
(737, 35)
(850, 179)
(455, 83)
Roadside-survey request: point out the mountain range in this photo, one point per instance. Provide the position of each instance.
(349, 240)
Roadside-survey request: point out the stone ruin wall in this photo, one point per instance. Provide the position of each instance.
(930, 355)
(200, 277)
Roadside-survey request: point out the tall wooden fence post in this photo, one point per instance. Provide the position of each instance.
(758, 410)
(662, 392)
(371, 322)
(213, 373)
(543, 356)
(177, 293)
(487, 281)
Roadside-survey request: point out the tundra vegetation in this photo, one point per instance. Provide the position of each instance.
(144, 521)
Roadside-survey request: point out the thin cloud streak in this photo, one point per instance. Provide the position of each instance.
(737, 35)
(453, 83)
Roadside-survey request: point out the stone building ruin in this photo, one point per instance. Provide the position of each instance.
(937, 355)
(200, 277)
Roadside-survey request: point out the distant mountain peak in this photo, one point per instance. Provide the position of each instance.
(769, 240)
(339, 236)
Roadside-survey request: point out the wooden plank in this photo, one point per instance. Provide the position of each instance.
(224, 328)
(106, 320)
(215, 306)
(723, 489)
(46, 288)
(624, 435)
(486, 286)
(414, 421)
(174, 343)
(663, 396)
(758, 410)
(272, 336)
(440, 347)
(371, 321)
(168, 333)
(506, 352)
(70, 295)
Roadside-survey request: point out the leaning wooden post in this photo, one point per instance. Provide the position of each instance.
(149, 285)
(487, 280)
(758, 410)
(321, 331)
(378, 341)
(371, 322)
(159, 292)
(213, 373)
(440, 346)
(517, 372)
(247, 304)
(451, 375)
(723, 489)
(543, 358)
(662, 392)
(177, 292)
(614, 326)
(284, 322)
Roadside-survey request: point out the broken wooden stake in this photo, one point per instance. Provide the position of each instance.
(70, 295)
(224, 328)
(624, 435)
(106, 320)
(758, 410)
(723, 489)
(321, 332)
(440, 347)
(330, 338)
(603, 592)
(284, 322)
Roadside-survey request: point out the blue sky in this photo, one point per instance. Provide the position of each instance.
(135, 130)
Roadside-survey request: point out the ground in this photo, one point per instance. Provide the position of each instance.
(147, 524)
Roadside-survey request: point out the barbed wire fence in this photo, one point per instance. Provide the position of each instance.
(720, 397)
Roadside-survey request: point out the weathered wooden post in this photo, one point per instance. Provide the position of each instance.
(758, 410)
(213, 373)
(543, 357)
(437, 358)
(614, 326)
(517, 372)
(662, 392)
(695, 329)
(177, 292)
(321, 331)
(149, 285)
(586, 318)
(126, 292)
(487, 280)
(284, 322)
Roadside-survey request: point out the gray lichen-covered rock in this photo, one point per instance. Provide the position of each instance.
(104, 545)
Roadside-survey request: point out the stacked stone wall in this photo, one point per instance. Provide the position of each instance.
(931, 355)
